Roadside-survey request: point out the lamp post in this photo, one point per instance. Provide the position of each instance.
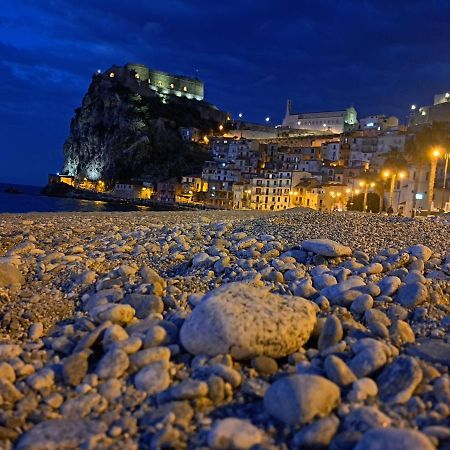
(393, 175)
(366, 186)
(435, 154)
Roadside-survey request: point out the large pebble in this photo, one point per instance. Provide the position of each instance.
(326, 247)
(394, 439)
(234, 434)
(246, 321)
(299, 398)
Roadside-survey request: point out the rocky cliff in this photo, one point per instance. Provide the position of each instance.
(123, 131)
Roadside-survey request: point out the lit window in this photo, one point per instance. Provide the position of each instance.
(171, 86)
(136, 76)
(111, 75)
(185, 88)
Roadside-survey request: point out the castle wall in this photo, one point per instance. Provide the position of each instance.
(166, 83)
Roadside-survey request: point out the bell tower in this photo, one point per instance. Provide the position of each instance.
(288, 107)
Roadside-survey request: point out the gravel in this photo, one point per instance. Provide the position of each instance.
(186, 330)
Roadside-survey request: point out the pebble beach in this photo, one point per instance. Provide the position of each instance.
(224, 330)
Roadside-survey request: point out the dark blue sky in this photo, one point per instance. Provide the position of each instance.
(378, 55)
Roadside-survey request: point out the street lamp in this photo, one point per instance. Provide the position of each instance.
(366, 186)
(267, 119)
(221, 127)
(240, 115)
(435, 154)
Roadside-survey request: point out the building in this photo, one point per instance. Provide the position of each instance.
(161, 82)
(438, 112)
(168, 190)
(133, 190)
(377, 122)
(270, 191)
(326, 122)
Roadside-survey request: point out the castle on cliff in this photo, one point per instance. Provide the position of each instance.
(161, 82)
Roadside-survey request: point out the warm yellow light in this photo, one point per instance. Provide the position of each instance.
(386, 173)
(348, 191)
(402, 175)
(185, 88)
(290, 192)
(436, 152)
(190, 192)
(372, 184)
(332, 192)
(338, 194)
(361, 183)
(136, 76)
(356, 191)
(111, 75)
(220, 127)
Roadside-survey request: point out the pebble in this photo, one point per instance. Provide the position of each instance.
(153, 378)
(326, 247)
(299, 398)
(219, 323)
(234, 434)
(394, 439)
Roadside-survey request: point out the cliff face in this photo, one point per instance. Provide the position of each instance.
(119, 132)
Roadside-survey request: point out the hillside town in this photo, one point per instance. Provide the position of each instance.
(326, 161)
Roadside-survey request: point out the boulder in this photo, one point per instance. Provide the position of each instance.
(246, 321)
(233, 433)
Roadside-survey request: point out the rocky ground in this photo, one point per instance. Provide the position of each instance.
(224, 330)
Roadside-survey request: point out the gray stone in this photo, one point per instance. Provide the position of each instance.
(361, 304)
(366, 417)
(299, 398)
(420, 251)
(331, 333)
(144, 305)
(432, 350)
(412, 294)
(246, 321)
(362, 389)
(264, 365)
(322, 281)
(318, 434)
(113, 364)
(389, 285)
(335, 293)
(326, 247)
(59, 434)
(398, 381)
(337, 371)
(153, 378)
(394, 439)
(234, 434)
(370, 356)
(188, 389)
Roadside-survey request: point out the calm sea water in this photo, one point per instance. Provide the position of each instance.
(29, 200)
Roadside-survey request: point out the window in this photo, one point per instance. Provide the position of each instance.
(136, 76)
(185, 88)
(111, 75)
(171, 86)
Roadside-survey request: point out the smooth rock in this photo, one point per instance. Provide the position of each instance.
(394, 439)
(300, 398)
(412, 294)
(113, 364)
(331, 333)
(337, 371)
(366, 417)
(60, 434)
(234, 434)
(326, 247)
(431, 350)
(398, 381)
(153, 378)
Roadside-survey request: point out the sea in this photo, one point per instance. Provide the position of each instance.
(29, 200)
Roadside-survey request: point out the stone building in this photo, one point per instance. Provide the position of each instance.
(328, 122)
(439, 111)
(161, 82)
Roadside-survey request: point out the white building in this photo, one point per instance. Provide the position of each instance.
(330, 151)
(325, 121)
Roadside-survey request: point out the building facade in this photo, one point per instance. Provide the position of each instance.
(331, 122)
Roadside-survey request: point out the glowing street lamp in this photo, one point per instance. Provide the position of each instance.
(435, 155)
(267, 119)
(220, 127)
(240, 115)
(413, 107)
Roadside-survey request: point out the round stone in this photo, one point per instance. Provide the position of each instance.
(246, 321)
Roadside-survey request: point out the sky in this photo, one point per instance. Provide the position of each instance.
(379, 56)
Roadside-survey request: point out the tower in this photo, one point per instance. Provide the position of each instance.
(288, 107)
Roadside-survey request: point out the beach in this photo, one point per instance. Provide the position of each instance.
(205, 329)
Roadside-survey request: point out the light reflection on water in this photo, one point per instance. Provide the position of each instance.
(30, 201)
